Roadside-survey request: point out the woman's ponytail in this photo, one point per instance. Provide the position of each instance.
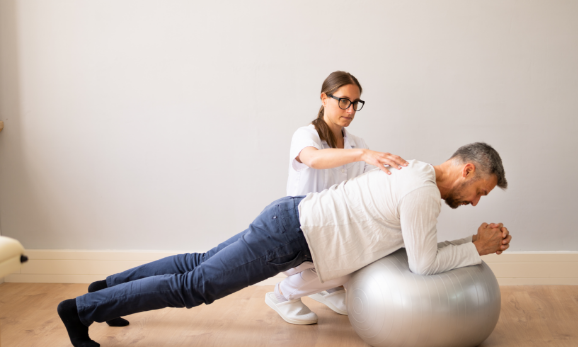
(325, 134)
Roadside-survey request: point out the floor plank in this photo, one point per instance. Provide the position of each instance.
(530, 316)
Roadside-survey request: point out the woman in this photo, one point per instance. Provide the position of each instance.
(323, 154)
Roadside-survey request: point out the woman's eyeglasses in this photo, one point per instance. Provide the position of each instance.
(344, 103)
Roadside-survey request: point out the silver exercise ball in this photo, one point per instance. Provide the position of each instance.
(391, 306)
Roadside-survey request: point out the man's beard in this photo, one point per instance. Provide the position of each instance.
(454, 199)
(454, 202)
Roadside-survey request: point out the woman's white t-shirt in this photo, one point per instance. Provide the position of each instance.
(303, 179)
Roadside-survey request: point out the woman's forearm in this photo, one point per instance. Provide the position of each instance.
(334, 157)
(329, 158)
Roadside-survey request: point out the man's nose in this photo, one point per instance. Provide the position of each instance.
(476, 200)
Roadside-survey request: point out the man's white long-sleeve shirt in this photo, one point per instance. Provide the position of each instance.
(361, 220)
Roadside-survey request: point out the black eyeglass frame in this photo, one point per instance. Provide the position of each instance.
(350, 102)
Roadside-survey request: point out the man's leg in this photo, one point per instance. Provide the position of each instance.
(273, 243)
(176, 264)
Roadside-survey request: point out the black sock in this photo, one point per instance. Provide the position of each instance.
(96, 286)
(115, 322)
(77, 332)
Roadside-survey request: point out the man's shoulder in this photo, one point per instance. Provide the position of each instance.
(417, 177)
(414, 176)
(415, 171)
(419, 171)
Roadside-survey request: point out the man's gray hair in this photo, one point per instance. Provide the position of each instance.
(485, 158)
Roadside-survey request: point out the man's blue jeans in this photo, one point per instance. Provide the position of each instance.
(273, 243)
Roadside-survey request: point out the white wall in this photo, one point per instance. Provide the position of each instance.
(165, 125)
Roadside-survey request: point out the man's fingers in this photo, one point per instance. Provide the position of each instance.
(505, 232)
(484, 225)
(507, 240)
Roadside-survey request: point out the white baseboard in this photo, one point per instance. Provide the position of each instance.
(67, 266)
(535, 268)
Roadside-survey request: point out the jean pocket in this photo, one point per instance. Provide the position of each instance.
(287, 262)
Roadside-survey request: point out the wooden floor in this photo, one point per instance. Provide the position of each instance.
(531, 316)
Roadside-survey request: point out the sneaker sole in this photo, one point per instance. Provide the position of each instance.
(287, 319)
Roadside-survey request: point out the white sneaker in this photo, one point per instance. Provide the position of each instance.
(335, 300)
(292, 311)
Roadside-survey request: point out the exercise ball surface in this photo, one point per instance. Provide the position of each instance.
(390, 306)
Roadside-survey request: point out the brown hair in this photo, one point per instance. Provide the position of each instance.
(333, 82)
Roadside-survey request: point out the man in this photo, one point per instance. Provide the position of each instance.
(341, 230)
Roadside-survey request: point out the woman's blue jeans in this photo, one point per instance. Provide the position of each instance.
(273, 243)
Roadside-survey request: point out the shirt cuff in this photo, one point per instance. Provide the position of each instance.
(475, 256)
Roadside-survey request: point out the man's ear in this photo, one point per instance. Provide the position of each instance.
(469, 170)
